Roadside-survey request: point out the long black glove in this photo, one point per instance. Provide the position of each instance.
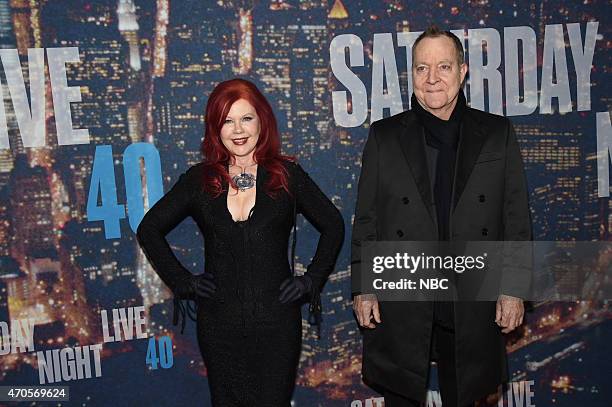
(200, 285)
(189, 288)
(294, 288)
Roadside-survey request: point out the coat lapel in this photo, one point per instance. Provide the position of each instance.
(471, 141)
(412, 141)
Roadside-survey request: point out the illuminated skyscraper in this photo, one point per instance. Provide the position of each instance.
(9, 270)
(160, 52)
(128, 26)
(8, 40)
(7, 36)
(552, 155)
(275, 36)
(30, 200)
(245, 51)
(22, 25)
(17, 289)
(309, 92)
(45, 274)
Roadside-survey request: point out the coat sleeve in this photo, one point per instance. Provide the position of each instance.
(364, 223)
(162, 218)
(517, 263)
(517, 218)
(326, 218)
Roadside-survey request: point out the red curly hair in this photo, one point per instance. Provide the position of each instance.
(267, 151)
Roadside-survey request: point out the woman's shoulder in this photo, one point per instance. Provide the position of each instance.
(193, 173)
(197, 168)
(291, 165)
(194, 177)
(295, 172)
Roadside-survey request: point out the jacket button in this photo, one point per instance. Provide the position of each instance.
(481, 198)
(400, 233)
(485, 231)
(405, 200)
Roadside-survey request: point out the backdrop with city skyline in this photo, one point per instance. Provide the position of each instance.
(145, 70)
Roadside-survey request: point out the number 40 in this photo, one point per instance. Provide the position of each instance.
(166, 358)
(103, 183)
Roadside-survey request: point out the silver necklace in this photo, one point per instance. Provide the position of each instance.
(244, 180)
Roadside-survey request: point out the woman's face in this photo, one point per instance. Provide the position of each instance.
(240, 130)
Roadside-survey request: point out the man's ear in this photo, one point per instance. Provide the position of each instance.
(463, 69)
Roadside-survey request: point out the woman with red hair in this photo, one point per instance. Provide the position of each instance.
(244, 197)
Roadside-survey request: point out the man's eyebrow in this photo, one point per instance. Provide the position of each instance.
(444, 61)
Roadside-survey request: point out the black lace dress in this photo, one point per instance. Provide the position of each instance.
(249, 341)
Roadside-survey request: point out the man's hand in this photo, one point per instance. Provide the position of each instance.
(509, 312)
(365, 306)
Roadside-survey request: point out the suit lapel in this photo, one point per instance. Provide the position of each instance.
(412, 141)
(470, 143)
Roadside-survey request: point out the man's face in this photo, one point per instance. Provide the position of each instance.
(437, 75)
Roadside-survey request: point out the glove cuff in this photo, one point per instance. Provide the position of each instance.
(309, 284)
(184, 288)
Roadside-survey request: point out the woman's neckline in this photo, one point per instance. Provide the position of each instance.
(252, 210)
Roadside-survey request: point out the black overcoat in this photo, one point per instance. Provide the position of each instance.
(395, 202)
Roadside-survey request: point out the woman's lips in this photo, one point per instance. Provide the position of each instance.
(240, 141)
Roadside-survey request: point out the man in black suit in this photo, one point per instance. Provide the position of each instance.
(440, 171)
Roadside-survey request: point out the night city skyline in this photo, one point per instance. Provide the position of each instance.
(146, 69)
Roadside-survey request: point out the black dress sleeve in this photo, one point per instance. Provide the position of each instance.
(326, 218)
(164, 216)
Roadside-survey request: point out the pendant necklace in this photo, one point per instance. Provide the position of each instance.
(244, 180)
